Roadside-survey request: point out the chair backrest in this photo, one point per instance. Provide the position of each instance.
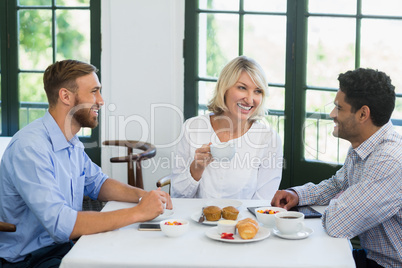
(148, 151)
(165, 181)
(7, 227)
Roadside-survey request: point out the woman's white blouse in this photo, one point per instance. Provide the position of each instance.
(253, 173)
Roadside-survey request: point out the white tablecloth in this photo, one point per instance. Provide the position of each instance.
(128, 247)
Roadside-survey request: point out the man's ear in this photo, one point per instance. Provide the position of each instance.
(364, 113)
(66, 96)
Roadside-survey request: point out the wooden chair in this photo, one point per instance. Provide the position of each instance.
(7, 227)
(165, 181)
(148, 151)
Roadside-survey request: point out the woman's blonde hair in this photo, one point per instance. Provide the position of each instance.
(230, 75)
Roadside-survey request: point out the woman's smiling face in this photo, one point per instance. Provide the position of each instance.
(243, 98)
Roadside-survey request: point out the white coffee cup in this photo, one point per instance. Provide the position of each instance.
(289, 222)
(223, 151)
(227, 226)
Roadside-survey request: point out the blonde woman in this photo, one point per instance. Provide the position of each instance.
(255, 170)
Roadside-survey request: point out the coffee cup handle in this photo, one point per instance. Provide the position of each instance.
(301, 226)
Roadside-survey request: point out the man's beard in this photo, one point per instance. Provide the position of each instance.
(83, 116)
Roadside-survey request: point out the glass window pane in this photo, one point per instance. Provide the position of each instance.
(397, 114)
(275, 105)
(85, 132)
(381, 48)
(32, 97)
(319, 143)
(265, 6)
(331, 50)
(205, 93)
(0, 109)
(398, 129)
(332, 7)
(275, 99)
(73, 3)
(219, 4)
(277, 122)
(31, 88)
(385, 7)
(265, 41)
(320, 101)
(0, 86)
(35, 39)
(28, 114)
(218, 42)
(73, 35)
(35, 2)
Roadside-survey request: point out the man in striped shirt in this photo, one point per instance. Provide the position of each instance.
(368, 186)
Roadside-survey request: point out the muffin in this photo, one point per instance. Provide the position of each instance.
(212, 213)
(230, 213)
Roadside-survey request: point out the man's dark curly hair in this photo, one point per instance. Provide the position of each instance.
(372, 88)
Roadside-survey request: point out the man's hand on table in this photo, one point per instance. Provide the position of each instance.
(153, 203)
(285, 199)
(168, 201)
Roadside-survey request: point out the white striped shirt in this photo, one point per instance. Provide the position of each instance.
(370, 205)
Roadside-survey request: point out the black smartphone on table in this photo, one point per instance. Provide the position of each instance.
(308, 211)
(149, 227)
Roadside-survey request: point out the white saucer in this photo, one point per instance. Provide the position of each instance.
(299, 235)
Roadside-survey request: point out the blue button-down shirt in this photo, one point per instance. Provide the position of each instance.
(371, 202)
(43, 178)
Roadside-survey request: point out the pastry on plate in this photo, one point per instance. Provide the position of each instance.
(247, 228)
(230, 213)
(212, 213)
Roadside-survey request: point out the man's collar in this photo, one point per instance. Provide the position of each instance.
(57, 137)
(365, 149)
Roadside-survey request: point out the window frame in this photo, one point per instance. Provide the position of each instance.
(10, 104)
(297, 170)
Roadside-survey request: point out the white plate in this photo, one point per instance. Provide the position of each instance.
(196, 216)
(224, 203)
(299, 235)
(262, 234)
(166, 214)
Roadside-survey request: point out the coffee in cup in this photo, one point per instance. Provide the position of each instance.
(223, 151)
(289, 222)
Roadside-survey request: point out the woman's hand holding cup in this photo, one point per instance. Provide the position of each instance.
(223, 151)
(202, 159)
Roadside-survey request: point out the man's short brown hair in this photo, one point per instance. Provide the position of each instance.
(63, 74)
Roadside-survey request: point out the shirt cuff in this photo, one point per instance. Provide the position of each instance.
(299, 192)
(66, 223)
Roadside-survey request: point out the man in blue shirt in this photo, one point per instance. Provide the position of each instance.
(364, 196)
(45, 173)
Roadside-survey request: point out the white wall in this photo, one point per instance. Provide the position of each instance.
(142, 67)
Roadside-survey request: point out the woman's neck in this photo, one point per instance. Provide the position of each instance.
(228, 129)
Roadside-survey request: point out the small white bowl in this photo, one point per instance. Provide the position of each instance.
(227, 226)
(174, 230)
(268, 219)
